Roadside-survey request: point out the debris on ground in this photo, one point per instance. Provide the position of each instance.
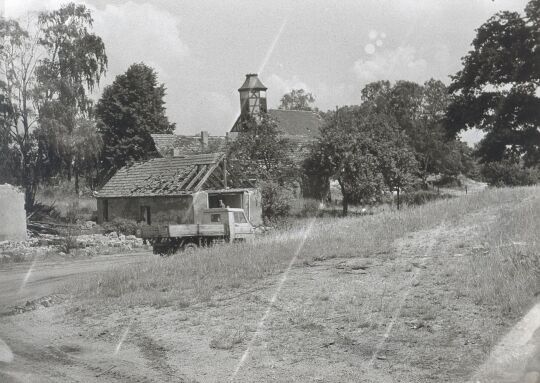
(85, 245)
(34, 304)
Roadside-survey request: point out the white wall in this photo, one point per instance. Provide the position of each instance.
(12, 214)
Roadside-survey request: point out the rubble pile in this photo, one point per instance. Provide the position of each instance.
(123, 242)
(81, 245)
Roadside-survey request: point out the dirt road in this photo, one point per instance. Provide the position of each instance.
(22, 282)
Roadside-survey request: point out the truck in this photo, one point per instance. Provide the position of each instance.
(218, 225)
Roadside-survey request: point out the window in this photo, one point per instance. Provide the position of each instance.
(215, 218)
(145, 215)
(239, 217)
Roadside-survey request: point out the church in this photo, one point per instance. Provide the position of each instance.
(299, 127)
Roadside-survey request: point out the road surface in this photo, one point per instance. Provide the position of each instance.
(21, 282)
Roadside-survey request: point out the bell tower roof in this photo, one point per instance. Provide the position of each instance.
(252, 83)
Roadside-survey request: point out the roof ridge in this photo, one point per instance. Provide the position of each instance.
(295, 110)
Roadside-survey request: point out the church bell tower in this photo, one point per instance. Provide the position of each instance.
(252, 97)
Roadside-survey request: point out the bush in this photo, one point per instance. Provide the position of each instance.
(276, 202)
(448, 181)
(421, 197)
(310, 208)
(68, 239)
(121, 226)
(507, 173)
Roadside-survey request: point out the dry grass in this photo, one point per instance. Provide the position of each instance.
(189, 279)
(504, 271)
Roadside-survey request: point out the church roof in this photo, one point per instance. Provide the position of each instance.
(297, 123)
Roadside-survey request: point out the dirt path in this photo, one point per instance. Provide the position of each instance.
(21, 282)
(395, 316)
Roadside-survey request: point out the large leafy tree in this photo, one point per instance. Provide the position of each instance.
(18, 61)
(130, 109)
(365, 152)
(419, 110)
(46, 68)
(297, 99)
(74, 62)
(497, 89)
(260, 153)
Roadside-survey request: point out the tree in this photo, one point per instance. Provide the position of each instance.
(259, 155)
(18, 60)
(360, 148)
(398, 161)
(259, 152)
(130, 109)
(44, 78)
(297, 99)
(419, 110)
(496, 91)
(74, 62)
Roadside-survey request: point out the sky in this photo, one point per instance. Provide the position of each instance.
(202, 50)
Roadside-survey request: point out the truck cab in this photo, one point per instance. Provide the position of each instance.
(237, 226)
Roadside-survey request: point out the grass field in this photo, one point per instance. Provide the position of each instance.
(505, 272)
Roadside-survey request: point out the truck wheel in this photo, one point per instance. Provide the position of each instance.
(189, 247)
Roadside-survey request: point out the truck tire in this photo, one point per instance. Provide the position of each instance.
(189, 247)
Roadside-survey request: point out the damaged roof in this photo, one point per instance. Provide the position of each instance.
(164, 177)
(186, 145)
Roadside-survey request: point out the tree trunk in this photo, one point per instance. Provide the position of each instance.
(398, 198)
(77, 182)
(345, 201)
(27, 183)
(345, 205)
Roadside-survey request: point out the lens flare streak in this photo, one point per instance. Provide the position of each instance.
(273, 299)
(123, 337)
(27, 275)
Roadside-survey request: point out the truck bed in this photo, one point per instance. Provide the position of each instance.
(189, 230)
(207, 230)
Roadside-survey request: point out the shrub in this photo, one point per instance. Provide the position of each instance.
(448, 181)
(507, 173)
(421, 197)
(68, 239)
(310, 208)
(121, 226)
(276, 202)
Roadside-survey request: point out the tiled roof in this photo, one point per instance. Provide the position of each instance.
(297, 122)
(186, 145)
(162, 176)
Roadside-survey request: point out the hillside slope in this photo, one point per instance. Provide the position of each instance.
(422, 295)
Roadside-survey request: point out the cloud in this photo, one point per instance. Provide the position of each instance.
(140, 32)
(132, 32)
(278, 86)
(19, 8)
(397, 64)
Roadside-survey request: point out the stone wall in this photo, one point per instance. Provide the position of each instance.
(12, 214)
